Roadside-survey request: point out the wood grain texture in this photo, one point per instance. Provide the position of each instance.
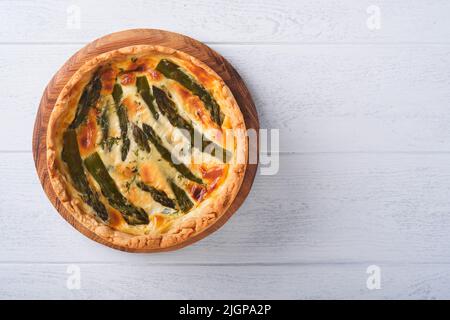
(330, 99)
(147, 281)
(283, 21)
(124, 39)
(319, 208)
(365, 113)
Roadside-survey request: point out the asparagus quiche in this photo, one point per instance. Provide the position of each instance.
(146, 147)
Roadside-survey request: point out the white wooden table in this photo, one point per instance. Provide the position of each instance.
(363, 110)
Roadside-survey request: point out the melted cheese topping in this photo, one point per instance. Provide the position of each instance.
(139, 165)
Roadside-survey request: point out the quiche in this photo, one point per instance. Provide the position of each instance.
(146, 147)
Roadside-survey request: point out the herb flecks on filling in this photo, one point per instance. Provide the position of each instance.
(181, 187)
(172, 71)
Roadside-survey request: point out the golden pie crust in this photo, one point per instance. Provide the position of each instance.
(174, 230)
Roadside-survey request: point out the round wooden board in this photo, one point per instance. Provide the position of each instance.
(123, 39)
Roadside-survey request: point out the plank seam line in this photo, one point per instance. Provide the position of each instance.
(248, 264)
(254, 43)
(291, 153)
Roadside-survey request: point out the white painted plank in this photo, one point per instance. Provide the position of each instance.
(322, 98)
(318, 208)
(228, 21)
(143, 281)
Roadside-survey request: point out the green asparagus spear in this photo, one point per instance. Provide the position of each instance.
(143, 89)
(117, 93)
(88, 99)
(123, 124)
(169, 109)
(183, 200)
(157, 195)
(166, 155)
(141, 138)
(71, 156)
(103, 122)
(174, 72)
(132, 215)
(142, 84)
(123, 120)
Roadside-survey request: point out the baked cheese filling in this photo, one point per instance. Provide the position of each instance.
(130, 149)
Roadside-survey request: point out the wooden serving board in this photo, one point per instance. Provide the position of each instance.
(123, 39)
